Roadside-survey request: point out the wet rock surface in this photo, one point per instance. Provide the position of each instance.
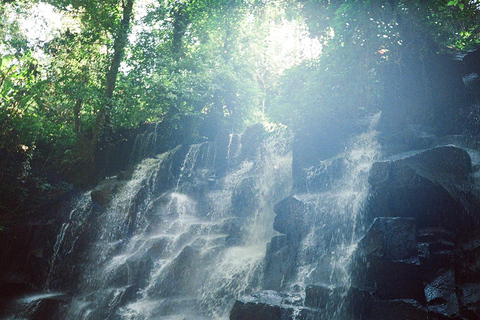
(278, 262)
(35, 307)
(386, 262)
(441, 295)
(433, 186)
(419, 258)
(271, 305)
(422, 253)
(398, 309)
(317, 296)
(290, 216)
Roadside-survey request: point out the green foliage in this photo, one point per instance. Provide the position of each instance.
(203, 59)
(369, 36)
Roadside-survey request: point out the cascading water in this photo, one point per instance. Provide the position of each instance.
(334, 222)
(187, 234)
(177, 241)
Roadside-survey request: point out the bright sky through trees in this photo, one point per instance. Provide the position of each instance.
(287, 42)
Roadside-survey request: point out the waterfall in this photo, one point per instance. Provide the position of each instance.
(192, 230)
(176, 241)
(334, 220)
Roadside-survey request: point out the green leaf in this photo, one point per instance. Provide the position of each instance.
(5, 60)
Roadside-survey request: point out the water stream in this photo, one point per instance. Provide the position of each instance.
(186, 235)
(174, 242)
(335, 224)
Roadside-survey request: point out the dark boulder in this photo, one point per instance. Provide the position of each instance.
(319, 140)
(292, 220)
(470, 261)
(250, 141)
(179, 274)
(433, 186)
(441, 296)
(337, 302)
(470, 300)
(386, 262)
(472, 70)
(290, 217)
(26, 250)
(279, 267)
(437, 251)
(362, 305)
(125, 175)
(317, 296)
(103, 194)
(35, 307)
(244, 199)
(398, 309)
(271, 305)
(320, 176)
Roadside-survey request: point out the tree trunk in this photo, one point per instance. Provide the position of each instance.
(78, 119)
(119, 45)
(181, 20)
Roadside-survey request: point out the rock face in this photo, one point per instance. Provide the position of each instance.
(271, 305)
(290, 216)
(315, 145)
(24, 264)
(34, 307)
(386, 262)
(419, 259)
(433, 186)
(399, 283)
(292, 219)
(278, 262)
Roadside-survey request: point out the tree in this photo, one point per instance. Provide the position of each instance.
(120, 42)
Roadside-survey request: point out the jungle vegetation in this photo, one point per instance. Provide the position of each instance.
(70, 84)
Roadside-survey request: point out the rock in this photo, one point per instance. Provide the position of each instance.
(35, 306)
(470, 262)
(290, 216)
(440, 295)
(125, 175)
(244, 199)
(26, 249)
(407, 138)
(180, 273)
(157, 247)
(391, 239)
(472, 66)
(13, 285)
(278, 263)
(101, 197)
(103, 192)
(357, 303)
(321, 176)
(361, 304)
(250, 141)
(316, 296)
(271, 305)
(470, 299)
(318, 141)
(437, 251)
(433, 186)
(398, 309)
(43, 310)
(386, 261)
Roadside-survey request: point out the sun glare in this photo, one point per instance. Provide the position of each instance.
(289, 43)
(41, 23)
(292, 43)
